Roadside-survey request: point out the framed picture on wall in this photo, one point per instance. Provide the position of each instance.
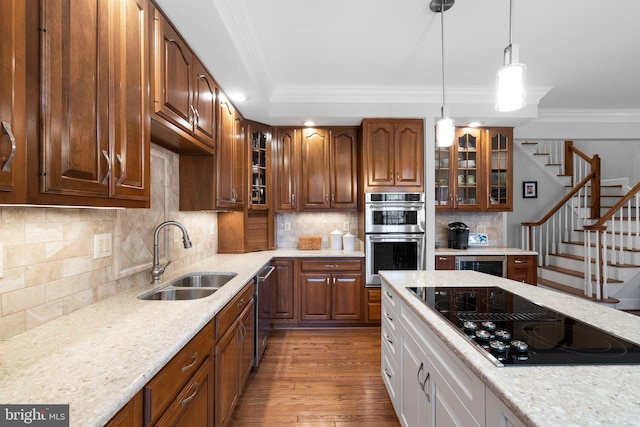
(529, 189)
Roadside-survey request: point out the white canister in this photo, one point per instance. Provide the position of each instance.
(349, 242)
(336, 240)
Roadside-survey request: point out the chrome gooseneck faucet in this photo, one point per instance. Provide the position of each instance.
(156, 270)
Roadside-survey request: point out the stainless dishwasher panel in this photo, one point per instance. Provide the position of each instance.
(262, 313)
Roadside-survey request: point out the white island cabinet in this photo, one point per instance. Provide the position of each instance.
(441, 379)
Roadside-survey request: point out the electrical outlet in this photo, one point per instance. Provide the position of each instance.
(102, 245)
(345, 226)
(287, 226)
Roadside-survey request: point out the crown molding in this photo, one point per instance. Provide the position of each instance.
(551, 115)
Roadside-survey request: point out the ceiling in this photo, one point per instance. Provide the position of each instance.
(337, 61)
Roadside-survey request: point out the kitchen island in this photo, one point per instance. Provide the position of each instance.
(580, 395)
(97, 358)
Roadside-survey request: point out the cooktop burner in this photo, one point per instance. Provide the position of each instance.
(511, 330)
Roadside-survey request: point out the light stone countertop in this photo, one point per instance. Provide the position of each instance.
(97, 358)
(579, 395)
(484, 250)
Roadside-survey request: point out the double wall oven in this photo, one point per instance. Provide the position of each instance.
(394, 233)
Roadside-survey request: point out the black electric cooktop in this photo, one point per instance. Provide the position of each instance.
(511, 330)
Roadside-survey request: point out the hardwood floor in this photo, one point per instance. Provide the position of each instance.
(318, 378)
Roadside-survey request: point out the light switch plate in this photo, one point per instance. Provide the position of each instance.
(102, 245)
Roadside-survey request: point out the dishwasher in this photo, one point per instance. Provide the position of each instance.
(262, 318)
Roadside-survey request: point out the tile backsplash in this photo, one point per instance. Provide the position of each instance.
(48, 265)
(290, 226)
(478, 222)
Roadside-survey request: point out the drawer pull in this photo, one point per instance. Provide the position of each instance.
(389, 340)
(389, 294)
(190, 398)
(190, 365)
(331, 265)
(386, 372)
(241, 303)
(388, 317)
(520, 261)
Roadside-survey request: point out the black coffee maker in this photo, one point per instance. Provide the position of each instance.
(458, 235)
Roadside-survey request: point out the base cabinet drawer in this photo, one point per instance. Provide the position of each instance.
(165, 389)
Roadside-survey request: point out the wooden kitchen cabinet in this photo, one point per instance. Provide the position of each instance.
(331, 290)
(283, 291)
(393, 153)
(89, 144)
(316, 169)
(12, 102)
(475, 173)
(523, 268)
(183, 389)
(234, 333)
(445, 262)
(285, 171)
(373, 305)
(230, 154)
(184, 94)
(130, 415)
(329, 169)
(260, 181)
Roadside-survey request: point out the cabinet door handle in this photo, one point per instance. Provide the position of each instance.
(334, 281)
(122, 170)
(108, 159)
(190, 398)
(389, 340)
(389, 294)
(328, 281)
(190, 365)
(386, 372)
(6, 127)
(388, 317)
(423, 384)
(293, 200)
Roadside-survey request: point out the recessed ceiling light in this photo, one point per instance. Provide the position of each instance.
(309, 123)
(238, 97)
(474, 124)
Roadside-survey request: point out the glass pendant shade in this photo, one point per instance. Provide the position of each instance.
(444, 132)
(511, 93)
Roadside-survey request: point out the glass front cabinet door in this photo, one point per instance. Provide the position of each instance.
(474, 174)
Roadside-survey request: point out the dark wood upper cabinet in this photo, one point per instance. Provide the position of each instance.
(183, 93)
(314, 155)
(393, 153)
(285, 168)
(86, 100)
(12, 102)
(316, 169)
(475, 173)
(231, 159)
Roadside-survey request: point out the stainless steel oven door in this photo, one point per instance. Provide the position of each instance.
(394, 218)
(392, 252)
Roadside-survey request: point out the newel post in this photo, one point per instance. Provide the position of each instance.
(568, 160)
(595, 187)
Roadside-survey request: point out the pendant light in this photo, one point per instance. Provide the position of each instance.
(444, 126)
(511, 78)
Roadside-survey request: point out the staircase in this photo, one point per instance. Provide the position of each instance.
(588, 244)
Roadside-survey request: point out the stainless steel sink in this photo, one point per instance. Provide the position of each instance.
(177, 294)
(202, 280)
(190, 286)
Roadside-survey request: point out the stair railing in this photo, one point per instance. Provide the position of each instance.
(555, 227)
(624, 219)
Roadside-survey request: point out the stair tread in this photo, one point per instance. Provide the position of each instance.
(573, 273)
(581, 258)
(574, 291)
(593, 246)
